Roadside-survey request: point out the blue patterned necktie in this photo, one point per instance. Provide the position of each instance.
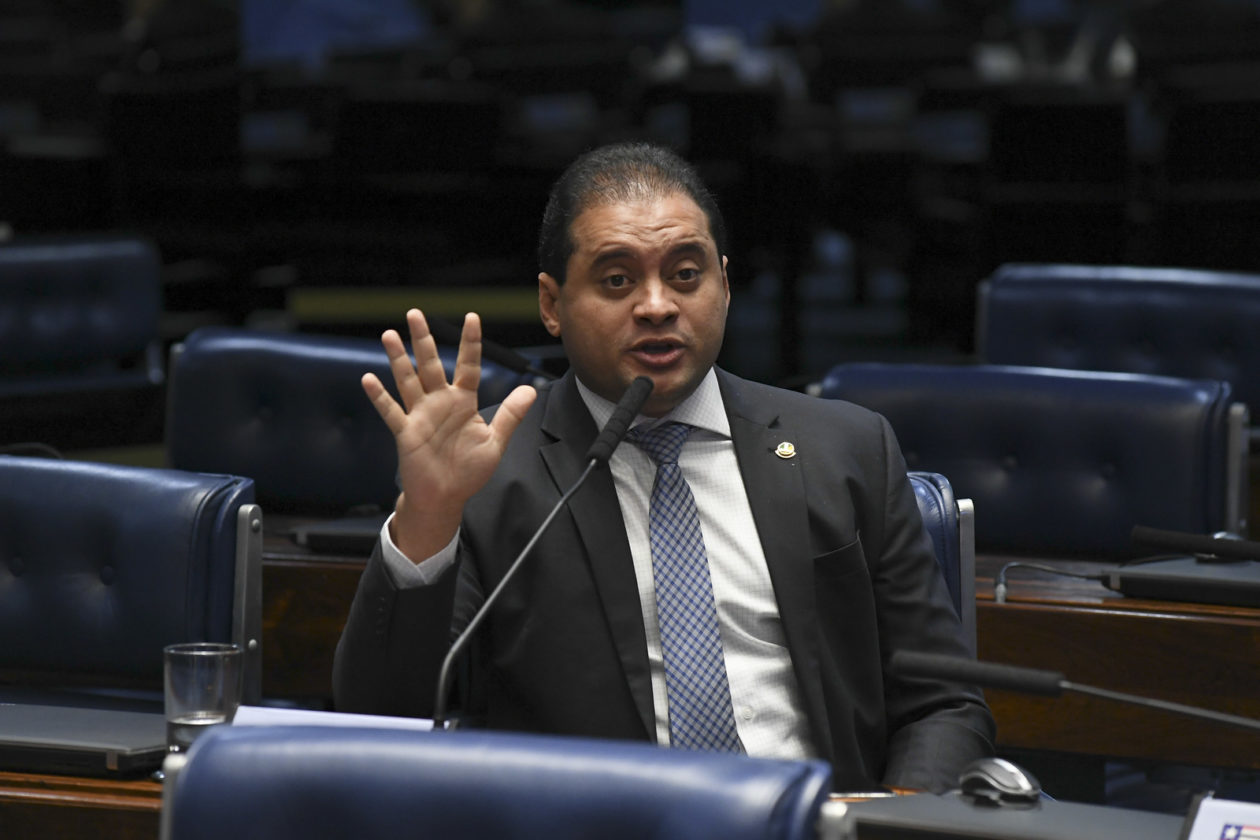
(701, 716)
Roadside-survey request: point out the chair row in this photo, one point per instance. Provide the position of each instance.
(81, 359)
(102, 565)
(1104, 397)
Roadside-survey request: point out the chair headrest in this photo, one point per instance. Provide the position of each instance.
(289, 411)
(364, 783)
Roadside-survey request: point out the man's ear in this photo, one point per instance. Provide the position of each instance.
(726, 285)
(548, 300)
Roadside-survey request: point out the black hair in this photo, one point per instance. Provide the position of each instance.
(618, 173)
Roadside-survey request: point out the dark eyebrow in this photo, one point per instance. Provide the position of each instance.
(691, 247)
(612, 255)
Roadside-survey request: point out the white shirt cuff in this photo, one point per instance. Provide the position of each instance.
(408, 575)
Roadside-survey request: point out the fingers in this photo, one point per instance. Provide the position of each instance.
(468, 362)
(403, 370)
(391, 412)
(427, 374)
(428, 363)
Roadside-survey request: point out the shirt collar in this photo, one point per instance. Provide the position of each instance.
(703, 409)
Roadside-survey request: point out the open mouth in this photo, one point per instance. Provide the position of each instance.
(658, 352)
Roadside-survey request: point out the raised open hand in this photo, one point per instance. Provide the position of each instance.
(446, 450)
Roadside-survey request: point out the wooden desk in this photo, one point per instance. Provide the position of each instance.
(1196, 654)
(71, 808)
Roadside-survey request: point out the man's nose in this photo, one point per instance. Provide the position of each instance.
(656, 302)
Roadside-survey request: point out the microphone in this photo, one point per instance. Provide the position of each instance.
(623, 415)
(1219, 548)
(1036, 681)
(599, 453)
(448, 333)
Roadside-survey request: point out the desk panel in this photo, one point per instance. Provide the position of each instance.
(71, 808)
(1199, 655)
(305, 605)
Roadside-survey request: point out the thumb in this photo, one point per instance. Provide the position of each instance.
(511, 411)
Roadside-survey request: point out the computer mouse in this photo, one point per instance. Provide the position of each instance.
(997, 781)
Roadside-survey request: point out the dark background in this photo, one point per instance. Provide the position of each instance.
(321, 165)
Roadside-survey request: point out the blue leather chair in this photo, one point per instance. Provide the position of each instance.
(1163, 321)
(80, 349)
(283, 782)
(288, 411)
(950, 522)
(103, 565)
(79, 314)
(1135, 319)
(1060, 462)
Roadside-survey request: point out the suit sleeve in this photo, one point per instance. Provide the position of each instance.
(392, 647)
(935, 727)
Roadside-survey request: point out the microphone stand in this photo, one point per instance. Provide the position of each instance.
(1164, 705)
(439, 703)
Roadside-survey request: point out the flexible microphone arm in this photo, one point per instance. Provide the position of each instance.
(1224, 548)
(1041, 682)
(450, 334)
(599, 453)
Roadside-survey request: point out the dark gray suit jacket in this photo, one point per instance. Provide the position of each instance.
(564, 649)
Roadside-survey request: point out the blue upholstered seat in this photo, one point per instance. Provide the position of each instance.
(102, 565)
(288, 411)
(342, 782)
(1061, 462)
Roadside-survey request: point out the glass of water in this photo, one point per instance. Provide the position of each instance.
(202, 689)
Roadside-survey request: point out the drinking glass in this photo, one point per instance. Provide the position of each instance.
(202, 689)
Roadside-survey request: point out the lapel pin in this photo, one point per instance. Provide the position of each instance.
(785, 450)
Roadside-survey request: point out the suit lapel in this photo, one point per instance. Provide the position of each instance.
(776, 494)
(597, 514)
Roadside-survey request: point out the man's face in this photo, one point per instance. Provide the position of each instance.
(645, 295)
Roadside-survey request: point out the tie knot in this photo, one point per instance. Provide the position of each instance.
(663, 443)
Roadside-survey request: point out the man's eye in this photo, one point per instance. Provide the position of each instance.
(617, 281)
(688, 274)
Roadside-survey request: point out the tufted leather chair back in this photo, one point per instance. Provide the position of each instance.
(103, 565)
(950, 522)
(1060, 462)
(1164, 321)
(352, 782)
(288, 411)
(79, 314)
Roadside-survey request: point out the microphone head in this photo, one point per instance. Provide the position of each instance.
(636, 395)
(627, 409)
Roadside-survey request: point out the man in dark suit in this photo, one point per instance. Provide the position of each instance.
(813, 551)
